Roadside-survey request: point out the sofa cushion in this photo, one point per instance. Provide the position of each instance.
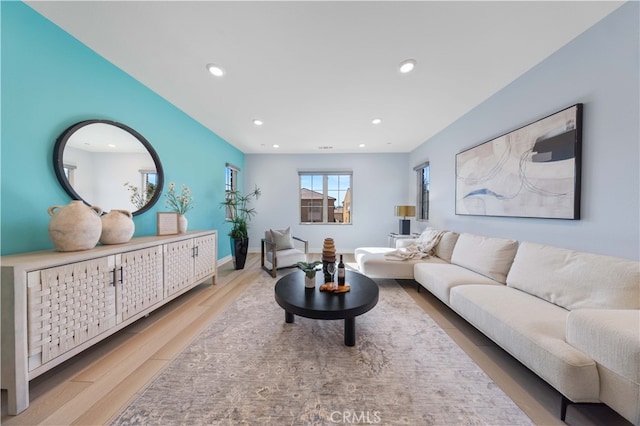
(445, 247)
(533, 331)
(440, 278)
(488, 256)
(575, 280)
(373, 262)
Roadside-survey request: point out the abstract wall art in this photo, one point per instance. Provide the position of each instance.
(533, 171)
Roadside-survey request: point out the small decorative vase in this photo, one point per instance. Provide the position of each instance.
(117, 227)
(182, 224)
(75, 226)
(309, 282)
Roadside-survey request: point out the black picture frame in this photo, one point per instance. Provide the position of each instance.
(533, 171)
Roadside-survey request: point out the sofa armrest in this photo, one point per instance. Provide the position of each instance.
(610, 336)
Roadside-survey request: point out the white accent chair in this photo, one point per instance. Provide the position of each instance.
(278, 250)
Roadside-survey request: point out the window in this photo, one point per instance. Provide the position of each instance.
(423, 191)
(325, 197)
(70, 172)
(149, 185)
(230, 185)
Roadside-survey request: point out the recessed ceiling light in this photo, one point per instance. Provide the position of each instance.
(376, 121)
(275, 145)
(111, 145)
(258, 122)
(407, 66)
(215, 70)
(362, 145)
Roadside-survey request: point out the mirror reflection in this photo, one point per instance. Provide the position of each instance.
(109, 165)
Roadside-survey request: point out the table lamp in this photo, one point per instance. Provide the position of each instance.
(405, 224)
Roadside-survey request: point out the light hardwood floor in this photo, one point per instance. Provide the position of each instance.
(93, 387)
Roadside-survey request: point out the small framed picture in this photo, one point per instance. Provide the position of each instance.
(167, 223)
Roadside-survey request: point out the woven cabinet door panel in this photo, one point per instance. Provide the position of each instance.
(140, 285)
(178, 266)
(205, 260)
(68, 305)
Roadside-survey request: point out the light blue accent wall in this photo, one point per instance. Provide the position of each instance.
(49, 81)
(600, 69)
(378, 185)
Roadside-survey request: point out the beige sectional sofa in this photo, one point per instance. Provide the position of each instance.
(572, 318)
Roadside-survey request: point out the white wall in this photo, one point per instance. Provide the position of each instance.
(379, 183)
(600, 69)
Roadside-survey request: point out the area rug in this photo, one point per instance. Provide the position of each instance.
(250, 367)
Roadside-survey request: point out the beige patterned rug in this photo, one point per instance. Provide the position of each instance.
(250, 367)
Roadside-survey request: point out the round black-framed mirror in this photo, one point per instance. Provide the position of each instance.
(108, 164)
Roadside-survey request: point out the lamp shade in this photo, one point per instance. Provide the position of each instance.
(405, 211)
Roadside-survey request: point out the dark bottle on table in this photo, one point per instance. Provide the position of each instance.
(340, 272)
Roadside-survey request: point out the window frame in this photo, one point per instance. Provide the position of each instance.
(70, 173)
(423, 183)
(231, 173)
(346, 204)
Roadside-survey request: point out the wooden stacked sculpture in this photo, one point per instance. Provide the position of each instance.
(329, 268)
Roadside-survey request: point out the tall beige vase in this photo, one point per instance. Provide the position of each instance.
(75, 226)
(117, 227)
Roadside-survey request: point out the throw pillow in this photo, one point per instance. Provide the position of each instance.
(282, 238)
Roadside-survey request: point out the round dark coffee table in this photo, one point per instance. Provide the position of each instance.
(296, 299)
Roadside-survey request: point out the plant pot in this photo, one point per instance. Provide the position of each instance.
(239, 248)
(309, 282)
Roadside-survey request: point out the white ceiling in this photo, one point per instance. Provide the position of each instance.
(317, 73)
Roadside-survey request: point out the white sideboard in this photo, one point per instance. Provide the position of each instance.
(57, 304)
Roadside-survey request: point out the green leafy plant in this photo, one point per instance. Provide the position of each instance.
(239, 213)
(179, 203)
(309, 268)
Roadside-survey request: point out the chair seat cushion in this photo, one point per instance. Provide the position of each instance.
(440, 278)
(288, 257)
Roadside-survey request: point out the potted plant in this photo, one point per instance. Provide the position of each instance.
(310, 269)
(240, 214)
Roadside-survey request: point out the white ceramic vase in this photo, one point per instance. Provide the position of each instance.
(75, 226)
(309, 282)
(117, 227)
(182, 224)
